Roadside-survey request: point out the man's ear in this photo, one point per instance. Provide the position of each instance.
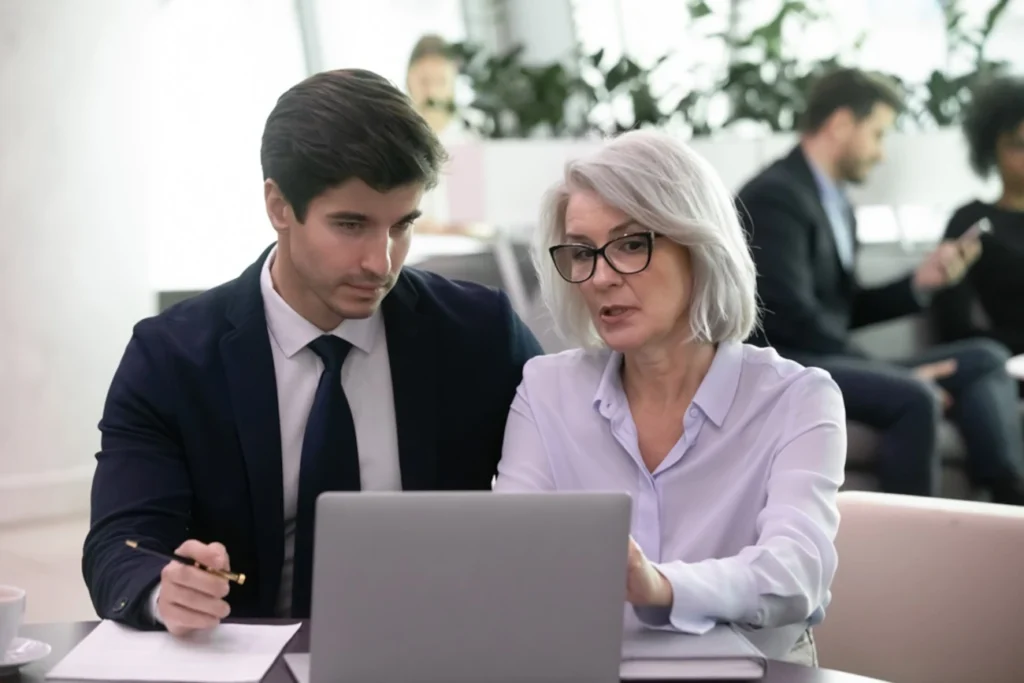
(841, 123)
(279, 211)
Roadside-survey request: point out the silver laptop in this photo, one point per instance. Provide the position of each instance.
(468, 586)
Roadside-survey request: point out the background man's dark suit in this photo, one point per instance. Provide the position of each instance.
(191, 444)
(811, 302)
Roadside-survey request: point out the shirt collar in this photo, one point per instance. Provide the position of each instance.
(609, 390)
(714, 396)
(827, 187)
(718, 389)
(293, 333)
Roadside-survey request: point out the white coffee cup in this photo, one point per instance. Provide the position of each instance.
(12, 610)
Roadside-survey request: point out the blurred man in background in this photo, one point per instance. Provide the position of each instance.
(803, 234)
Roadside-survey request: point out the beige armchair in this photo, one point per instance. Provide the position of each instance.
(928, 591)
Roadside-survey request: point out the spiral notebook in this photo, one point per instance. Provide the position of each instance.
(723, 653)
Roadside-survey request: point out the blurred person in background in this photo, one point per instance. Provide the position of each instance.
(803, 233)
(989, 301)
(430, 81)
(732, 454)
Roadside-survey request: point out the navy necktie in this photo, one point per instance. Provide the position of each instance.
(330, 461)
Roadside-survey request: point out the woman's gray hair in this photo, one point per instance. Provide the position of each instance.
(666, 187)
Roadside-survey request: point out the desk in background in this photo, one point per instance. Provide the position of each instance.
(63, 637)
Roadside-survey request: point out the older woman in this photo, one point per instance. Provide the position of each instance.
(732, 454)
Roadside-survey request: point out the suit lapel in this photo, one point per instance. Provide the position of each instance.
(249, 366)
(801, 169)
(412, 357)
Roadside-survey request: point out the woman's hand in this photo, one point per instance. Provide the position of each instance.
(645, 585)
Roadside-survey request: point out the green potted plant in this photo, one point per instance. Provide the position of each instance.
(512, 99)
(948, 90)
(517, 100)
(765, 81)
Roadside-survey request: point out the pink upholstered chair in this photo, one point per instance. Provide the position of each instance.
(928, 591)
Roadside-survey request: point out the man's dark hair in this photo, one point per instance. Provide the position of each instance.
(430, 45)
(996, 108)
(858, 91)
(340, 125)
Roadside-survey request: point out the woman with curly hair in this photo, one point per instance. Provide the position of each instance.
(989, 301)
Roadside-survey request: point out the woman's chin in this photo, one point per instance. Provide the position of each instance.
(622, 340)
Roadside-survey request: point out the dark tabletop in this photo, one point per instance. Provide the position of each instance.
(63, 637)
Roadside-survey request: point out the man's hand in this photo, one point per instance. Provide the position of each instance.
(948, 263)
(191, 599)
(645, 585)
(931, 372)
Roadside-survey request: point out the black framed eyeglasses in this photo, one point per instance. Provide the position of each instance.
(627, 255)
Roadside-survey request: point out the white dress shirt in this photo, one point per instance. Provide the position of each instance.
(366, 378)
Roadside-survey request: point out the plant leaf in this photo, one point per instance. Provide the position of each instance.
(699, 9)
(992, 18)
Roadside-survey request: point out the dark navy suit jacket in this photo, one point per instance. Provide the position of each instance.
(810, 301)
(191, 443)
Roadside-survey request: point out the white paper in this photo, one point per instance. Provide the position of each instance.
(230, 653)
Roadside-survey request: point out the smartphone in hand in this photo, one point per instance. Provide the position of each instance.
(982, 227)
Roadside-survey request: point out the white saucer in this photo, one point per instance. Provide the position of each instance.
(22, 651)
(1015, 367)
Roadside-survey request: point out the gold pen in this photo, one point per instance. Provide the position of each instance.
(230, 576)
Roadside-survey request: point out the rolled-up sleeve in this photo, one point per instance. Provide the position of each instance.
(784, 578)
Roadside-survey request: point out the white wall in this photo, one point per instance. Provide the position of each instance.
(72, 260)
(925, 170)
(214, 72)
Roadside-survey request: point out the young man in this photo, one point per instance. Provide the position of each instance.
(803, 235)
(324, 366)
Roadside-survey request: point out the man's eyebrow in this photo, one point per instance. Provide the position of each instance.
(356, 217)
(352, 216)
